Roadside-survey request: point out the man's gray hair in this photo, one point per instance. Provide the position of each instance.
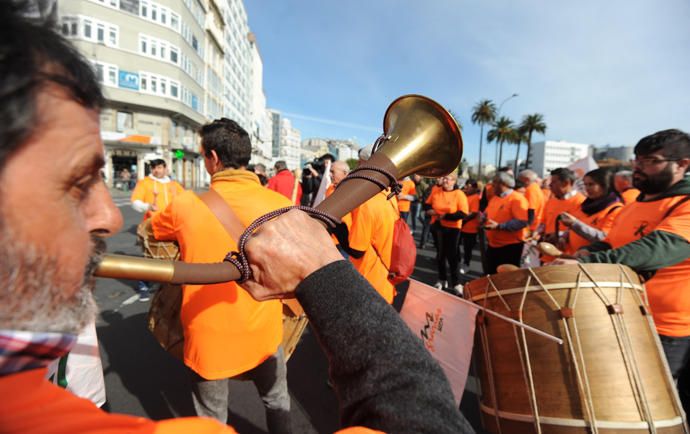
(529, 174)
(625, 174)
(505, 179)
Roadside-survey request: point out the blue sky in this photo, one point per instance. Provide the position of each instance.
(601, 72)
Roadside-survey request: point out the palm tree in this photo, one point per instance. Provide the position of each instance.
(519, 136)
(483, 113)
(502, 131)
(457, 119)
(532, 123)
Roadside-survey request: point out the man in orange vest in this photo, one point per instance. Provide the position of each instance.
(284, 182)
(227, 333)
(505, 223)
(564, 198)
(623, 182)
(405, 198)
(51, 102)
(153, 194)
(652, 236)
(535, 198)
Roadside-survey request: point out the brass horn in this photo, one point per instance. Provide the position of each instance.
(419, 136)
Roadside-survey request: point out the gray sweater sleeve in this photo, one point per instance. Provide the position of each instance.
(587, 232)
(384, 378)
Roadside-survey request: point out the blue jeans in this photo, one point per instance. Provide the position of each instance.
(210, 397)
(415, 208)
(677, 351)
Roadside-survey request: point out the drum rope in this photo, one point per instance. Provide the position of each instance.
(498, 293)
(582, 377)
(533, 393)
(628, 355)
(580, 371)
(239, 258)
(487, 356)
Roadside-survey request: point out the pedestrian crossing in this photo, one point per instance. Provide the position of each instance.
(121, 201)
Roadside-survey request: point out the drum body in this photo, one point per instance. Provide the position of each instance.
(610, 374)
(156, 249)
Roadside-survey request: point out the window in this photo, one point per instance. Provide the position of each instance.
(106, 73)
(195, 43)
(125, 121)
(100, 32)
(175, 21)
(174, 89)
(143, 45)
(143, 81)
(164, 16)
(154, 12)
(144, 9)
(87, 28)
(173, 55)
(112, 36)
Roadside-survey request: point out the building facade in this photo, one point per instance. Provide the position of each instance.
(167, 67)
(551, 154)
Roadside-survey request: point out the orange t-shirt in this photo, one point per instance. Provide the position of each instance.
(669, 290)
(602, 220)
(448, 202)
(547, 193)
(472, 226)
(226, 331)
(536, 201)
(371, 232)
(37, 406)
(630, 195)
(503, 209)
(408, 188)
(555, 206)
(150, 190)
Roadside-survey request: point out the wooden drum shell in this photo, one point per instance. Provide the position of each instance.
(561, 401)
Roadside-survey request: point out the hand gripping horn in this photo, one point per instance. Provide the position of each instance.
(419, 136)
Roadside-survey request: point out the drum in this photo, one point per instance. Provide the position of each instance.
(610, 375)
(164, 323)
(154, 248)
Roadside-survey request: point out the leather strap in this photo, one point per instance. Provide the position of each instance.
(222, 211)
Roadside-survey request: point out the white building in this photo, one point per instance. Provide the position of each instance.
(261, 119)
(550, 154)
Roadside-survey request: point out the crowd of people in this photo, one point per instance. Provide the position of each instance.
(385, 379)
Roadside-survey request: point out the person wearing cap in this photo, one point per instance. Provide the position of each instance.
(152, 194)
(505, 223)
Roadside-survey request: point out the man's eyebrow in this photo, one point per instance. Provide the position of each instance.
(96, 163)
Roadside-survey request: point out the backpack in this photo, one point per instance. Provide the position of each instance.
(403, 253)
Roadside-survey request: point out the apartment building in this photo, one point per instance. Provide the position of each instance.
(551, 154)
(167, 67)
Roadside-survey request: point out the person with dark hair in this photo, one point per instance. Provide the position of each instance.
(153, 194)
(623, 182)
(652, 236)
(594, 219)
(227, 333)
(448, 206)
(505, 223)
(470, 223)
(260, 171)
(51, 101)
(284, 182)
(564, 199)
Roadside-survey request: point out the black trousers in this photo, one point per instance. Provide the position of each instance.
(468, 242)
(509, 254)
(447, 251)
(677, 351)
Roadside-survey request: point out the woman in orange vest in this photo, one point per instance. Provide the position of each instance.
(448, 208)
(595, 217)
(470, 224)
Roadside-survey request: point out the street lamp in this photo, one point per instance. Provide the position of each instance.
(498, 115)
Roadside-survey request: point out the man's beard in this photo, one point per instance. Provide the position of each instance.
(33, 298)
(657, 184)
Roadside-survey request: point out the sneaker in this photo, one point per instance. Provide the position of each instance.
(441, 284)
(462, 270)
(457, 289)
(144, 295)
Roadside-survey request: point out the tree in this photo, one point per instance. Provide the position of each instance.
(483, 113)
(457, 119)
(532, 123)
(519, 136)
(502, 131)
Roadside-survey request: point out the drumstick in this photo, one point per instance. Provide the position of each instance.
(512, 321)
(549, 249)
(504, 268)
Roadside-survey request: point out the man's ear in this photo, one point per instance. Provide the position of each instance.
(684, 163)
(214, 158)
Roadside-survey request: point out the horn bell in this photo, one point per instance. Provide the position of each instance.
(421, 137)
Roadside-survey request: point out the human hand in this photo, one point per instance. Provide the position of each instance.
(283, 252)
(490, 224)
(567, 219)
(430, 212)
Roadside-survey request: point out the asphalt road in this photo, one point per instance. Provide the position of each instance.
(143, 380)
